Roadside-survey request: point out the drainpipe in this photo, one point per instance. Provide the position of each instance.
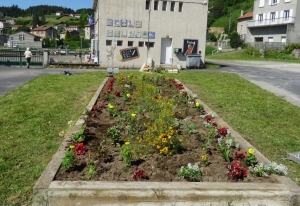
(148, 30)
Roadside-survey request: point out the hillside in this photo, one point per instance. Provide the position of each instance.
(223, 13)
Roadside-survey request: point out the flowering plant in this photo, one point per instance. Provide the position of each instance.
(79, 149)
(126, 154)
(204, 159)
(263, 170)
(191, 172)
(250, 158)
(112, 110)
(236, 172)
(91, 166)
(199, 107)
(223, 131)
(139, 174)
(68, 160)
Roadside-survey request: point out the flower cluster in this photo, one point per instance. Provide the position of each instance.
(191, 172)
(235, 172)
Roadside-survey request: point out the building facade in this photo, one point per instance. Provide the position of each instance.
(45, 32)
(23, 40)
(132, 33)
(242, 24)
(275, 21)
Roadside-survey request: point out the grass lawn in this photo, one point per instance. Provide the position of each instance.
(33, 115)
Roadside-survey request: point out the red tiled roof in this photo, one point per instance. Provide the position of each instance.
(247, 15)
(41, 28)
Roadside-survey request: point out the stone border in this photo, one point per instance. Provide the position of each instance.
(68, 193)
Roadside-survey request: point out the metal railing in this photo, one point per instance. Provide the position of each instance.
(10, 58)
(271, 22)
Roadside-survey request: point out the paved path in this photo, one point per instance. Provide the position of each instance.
(282, 79)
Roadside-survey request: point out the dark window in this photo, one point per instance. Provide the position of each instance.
(151, 44)
(119, 43)
(141, 44)
(172, 6)
(130, 43)
(155, 5)
(180, 7)
(22, 37)
(164, 6)
(108, 42)
(147, 4)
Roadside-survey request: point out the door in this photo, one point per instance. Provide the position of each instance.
(166, 51)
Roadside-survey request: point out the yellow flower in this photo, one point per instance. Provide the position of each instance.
(110, 106)
(204, 157)
(251, 151)
(72, 146)
(133, 115)
(197, 104)
(128, 95)
(127, 143)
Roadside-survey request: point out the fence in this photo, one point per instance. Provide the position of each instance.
(267, 45)
(9, 58)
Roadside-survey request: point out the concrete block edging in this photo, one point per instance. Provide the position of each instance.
(47, 192)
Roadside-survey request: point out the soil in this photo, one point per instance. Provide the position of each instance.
(157, 167)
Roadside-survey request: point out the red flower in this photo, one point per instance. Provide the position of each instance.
(208, 118)
(222, 131)
(139, 174)
(214, 124)
(95, 108)
(79, 149)
(236, 172)
(240, 155)
(117, 93)
(94, 115)
(102, 105)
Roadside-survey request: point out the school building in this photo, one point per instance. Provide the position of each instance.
(133, 33)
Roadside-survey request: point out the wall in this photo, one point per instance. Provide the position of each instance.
(176, 26)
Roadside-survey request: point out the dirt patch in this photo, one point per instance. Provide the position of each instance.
(157, 167)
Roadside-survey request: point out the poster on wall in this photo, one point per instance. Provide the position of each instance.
(117, 33)
(145, 34)
(109, 22)
(109, 33)
(138, 24)
(151, 35)
(116, 22)
(138, 34)
(130, 23)
(124, 34)
(190, 46)
(123, 23)
(130, 34)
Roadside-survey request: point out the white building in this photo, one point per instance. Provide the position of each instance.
(275, 21)
(156, 32)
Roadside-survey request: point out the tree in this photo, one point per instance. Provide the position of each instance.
(43, 19)
(67, 36)
(46, 42)
(35, 20)
(235, 40)
(83, 19)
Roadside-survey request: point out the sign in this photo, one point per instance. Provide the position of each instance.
(129, 53)
(190, 46)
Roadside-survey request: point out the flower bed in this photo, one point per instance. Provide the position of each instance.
(151, 128)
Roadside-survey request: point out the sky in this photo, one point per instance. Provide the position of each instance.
(72, 4)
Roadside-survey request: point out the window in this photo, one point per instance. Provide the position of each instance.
(273, 16)
(260, 17)
(151, 44)
(274, 1)
(22, 37)
(180, 6)
(130, 43)
(261, 3)
(156, 5)
(270, 39)
(147, 4)
(164, 6)
(108, 42)
(11, 38)
(172, 6)
(141, 44)
(119, 43)
(286, 14)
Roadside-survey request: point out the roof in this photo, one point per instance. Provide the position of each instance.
(26, 33)
(247, 15)
(41, 28)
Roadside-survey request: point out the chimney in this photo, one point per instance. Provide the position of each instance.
(242, 12)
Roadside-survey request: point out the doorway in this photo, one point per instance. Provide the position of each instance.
(166, 51)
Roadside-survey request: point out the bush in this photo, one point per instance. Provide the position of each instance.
(252, 51)
(290, 48)
(235, 40)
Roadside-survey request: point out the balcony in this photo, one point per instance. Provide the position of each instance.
(271, 22)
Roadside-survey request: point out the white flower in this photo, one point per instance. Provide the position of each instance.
(220, 140)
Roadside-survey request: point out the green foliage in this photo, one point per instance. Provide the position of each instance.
(252, 51)
(79, 135)
(68, 160)
(190, 172)
(250, 159)
(235, 40)
(83, 19)
(67, 36)
(290, 48)
(126, 154)
(209, 50)
(212, 37)
(115, 134)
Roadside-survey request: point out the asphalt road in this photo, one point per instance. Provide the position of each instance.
(282, 79)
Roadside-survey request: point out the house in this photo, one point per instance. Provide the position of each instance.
(45, 32)
(15, 27)
(89, 31)
(3, 39)
(3, 25)
(72, 33)
(23, 40)
(60, 27)
(59, 13)
(242, 24)
(135, 33)
(11, 21)
(75, 15)
(71, 28)
(274, 21)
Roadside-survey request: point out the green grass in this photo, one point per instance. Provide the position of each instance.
(31, 118)
(33, 115)
(240, 55)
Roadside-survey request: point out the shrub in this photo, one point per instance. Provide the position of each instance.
(252, 51)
